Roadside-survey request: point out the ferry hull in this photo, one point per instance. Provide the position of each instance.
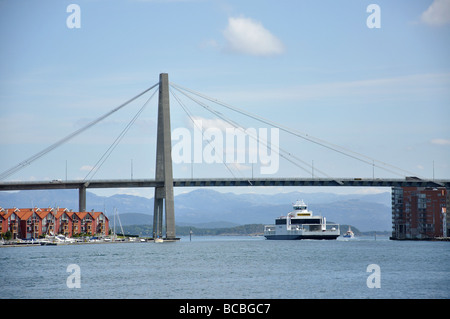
(298, 237)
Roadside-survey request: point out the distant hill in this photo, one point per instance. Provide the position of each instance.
(147, 230)
(207, 208)
(147, 219)
(367, 212)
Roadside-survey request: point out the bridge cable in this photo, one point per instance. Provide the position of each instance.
(189, 114)
(286, 129)
(315, 140)
(38, 155)
(234, 124)
(261, 140)
(111, 148)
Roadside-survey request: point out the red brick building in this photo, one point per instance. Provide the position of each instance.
(419, 213)
(100, 223)
(29, 223)
(9, 221)
(36, 222)
(63, 222)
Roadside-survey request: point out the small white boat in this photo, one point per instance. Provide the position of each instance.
(159, 240)
(349, 233)
(64, 239)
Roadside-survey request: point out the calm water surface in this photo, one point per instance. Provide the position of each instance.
(229, 267)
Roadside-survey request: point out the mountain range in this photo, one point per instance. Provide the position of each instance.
(206, 208)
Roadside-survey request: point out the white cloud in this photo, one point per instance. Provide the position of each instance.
(244, 35)
(438, 13)
(440, 141)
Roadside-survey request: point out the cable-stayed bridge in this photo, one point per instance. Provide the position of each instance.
(164, 182)
(226, 182)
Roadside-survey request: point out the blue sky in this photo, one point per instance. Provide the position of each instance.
(311, 65)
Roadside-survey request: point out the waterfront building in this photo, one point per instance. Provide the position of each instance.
(419, 213)
(47, 221)
(29, 223)
(80, 221)
(36, 222)
(9, 222)
(63, 223)
(100, 223)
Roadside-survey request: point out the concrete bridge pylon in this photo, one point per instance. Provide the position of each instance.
(164, 201)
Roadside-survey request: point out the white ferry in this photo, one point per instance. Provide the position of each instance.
(301, 224)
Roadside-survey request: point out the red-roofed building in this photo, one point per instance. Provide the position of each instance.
(37, 222)
(83, 221)
(63, 222)
(9, 222)
(47, 221)
(100, 223)
(4, 227)
(30, 223)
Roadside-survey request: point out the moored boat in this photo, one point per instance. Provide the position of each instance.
(47, 243)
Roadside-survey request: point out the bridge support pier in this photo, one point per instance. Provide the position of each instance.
(82, 199)
(163, 173)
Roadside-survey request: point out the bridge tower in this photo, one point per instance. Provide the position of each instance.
(163, 173)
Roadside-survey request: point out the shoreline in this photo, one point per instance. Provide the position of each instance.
(421, 239)
(65, 244)
(150, 240)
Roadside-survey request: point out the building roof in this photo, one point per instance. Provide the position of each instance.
(26, 213)
(81, 215)
(61, 212)
(43, 213)
(6, 213)
(95, 215)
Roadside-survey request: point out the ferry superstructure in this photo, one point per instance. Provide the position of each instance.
(301, 224)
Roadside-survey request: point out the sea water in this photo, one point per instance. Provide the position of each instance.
(229, 267)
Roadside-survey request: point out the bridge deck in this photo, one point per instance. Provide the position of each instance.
(225, 182)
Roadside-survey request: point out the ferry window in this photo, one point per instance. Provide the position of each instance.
(306, 221)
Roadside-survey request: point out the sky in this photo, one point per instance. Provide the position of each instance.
(371, 79)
